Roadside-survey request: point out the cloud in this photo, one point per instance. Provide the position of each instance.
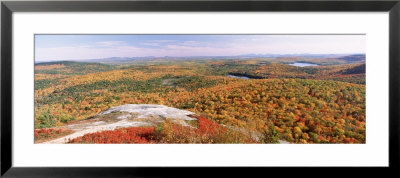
(150, 44)
(194, 43)
(110, 43)
(163, 41)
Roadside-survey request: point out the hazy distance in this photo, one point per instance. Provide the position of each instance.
(83, 47)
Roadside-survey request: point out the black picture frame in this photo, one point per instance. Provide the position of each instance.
(8, 7)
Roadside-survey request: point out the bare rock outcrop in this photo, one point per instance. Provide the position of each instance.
(129, 115)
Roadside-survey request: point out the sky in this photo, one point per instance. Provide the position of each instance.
(78, 47)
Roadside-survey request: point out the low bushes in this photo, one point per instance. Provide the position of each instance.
(204, 131)
(125, 135)
(49, 134)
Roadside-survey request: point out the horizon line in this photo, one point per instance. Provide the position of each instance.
(241, 55)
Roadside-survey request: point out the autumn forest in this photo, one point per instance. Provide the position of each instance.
(232, 99)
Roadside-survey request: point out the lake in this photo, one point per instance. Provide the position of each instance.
(235, 76)
(302, 64)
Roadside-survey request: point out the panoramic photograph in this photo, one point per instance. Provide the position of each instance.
(199, 89)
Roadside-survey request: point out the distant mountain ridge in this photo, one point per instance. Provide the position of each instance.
(354, 58)
(350, 58)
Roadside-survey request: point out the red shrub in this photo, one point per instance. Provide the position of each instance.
(207, 126)
(124, 135)
(45, 134)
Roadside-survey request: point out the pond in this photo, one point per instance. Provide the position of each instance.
(302, 64)
(235, 76)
